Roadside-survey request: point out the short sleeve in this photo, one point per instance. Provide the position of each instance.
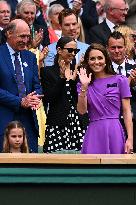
(124, 87)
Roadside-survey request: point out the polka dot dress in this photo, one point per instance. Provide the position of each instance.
(66, 138)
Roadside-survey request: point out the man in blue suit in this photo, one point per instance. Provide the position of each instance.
(14, 105)
(68, 21)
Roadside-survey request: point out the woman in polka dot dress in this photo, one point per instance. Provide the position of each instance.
(64, 130)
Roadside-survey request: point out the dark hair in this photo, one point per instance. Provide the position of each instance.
(116, 35)
(10, 126)
(108, 67)
(64, 13)
(61, 43)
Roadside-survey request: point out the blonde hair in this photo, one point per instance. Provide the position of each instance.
(126, 32)
(81, 35)
(6, 146)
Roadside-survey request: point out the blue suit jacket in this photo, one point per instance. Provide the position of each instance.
(49, 60)
(10, 107)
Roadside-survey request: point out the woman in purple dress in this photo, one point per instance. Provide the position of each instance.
(102, 93)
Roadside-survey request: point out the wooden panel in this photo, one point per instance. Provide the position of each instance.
(49, 158)
(68, 158)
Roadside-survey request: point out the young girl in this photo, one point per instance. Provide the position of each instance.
(103, 93)
(15, 140)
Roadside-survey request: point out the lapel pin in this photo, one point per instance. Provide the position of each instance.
(25, 64)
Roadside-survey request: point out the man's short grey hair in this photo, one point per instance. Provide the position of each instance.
(22, 3)
(108, 4)
(2, 1)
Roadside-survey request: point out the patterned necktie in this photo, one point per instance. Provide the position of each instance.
(19, 77)
(119, 70)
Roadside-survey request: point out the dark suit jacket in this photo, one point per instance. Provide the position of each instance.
(2, 37)
(129, 67)
(89, 16)
(133, 91)
(10, 102)
(99, 34)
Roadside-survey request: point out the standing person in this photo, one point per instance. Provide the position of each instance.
(68, 21)
(15, 138)
(102, 93)
(116, 47)
(63, 130)
(116, 12)
(19, 82)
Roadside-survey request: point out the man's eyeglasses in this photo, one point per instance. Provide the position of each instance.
(71, 50)
(122, 10)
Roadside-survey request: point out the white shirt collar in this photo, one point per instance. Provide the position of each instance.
(11, 51)
(115, 67)
(110, 24)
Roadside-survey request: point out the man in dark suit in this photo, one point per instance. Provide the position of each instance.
(19, 83)
(117, 51)
(116, 11)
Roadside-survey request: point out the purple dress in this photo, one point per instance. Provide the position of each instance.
(105, 134)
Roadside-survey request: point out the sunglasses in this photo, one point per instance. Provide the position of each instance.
(71, 50)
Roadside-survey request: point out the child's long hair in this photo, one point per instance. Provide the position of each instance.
(6, 146)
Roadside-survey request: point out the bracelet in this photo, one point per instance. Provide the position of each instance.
(83, 90)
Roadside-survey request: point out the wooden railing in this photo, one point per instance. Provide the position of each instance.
(67, 158)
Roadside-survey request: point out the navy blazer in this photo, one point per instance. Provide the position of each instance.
(10, 102)
(99, 34)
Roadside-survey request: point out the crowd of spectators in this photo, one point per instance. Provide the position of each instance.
(67, 73)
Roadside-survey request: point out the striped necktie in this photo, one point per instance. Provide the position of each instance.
(19, 77)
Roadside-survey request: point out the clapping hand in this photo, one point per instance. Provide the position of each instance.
(42, 56)
(70, 75)
(38, 37)
(32, 100)
(84, 78)
(132, 77)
